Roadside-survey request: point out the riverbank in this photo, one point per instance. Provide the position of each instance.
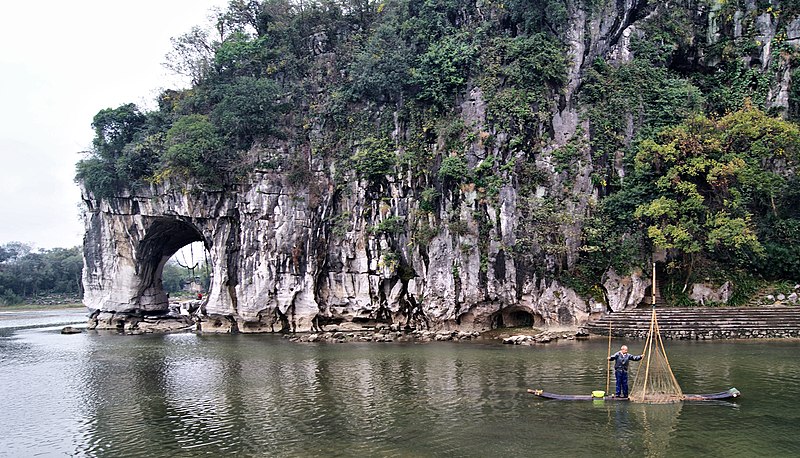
(40, 307)
(394, 333)
(690, 323)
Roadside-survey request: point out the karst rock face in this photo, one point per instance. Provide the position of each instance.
(333, 248)
(278, 263)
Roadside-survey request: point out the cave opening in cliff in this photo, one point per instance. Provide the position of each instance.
(517, 318)
(173, 262)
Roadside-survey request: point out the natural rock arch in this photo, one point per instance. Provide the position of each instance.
(123, 269)
(129, 239)
(163, 238)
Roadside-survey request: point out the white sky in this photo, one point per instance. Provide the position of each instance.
(60, 63)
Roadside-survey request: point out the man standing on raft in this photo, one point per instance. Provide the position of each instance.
(621, 359)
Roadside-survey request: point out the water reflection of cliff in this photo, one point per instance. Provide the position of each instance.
(206, 394)
(240, 394)
(237, 394)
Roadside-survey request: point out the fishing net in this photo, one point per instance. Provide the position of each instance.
(654, 381)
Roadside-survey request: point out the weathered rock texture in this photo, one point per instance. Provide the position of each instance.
(278, 265)
(292, 256)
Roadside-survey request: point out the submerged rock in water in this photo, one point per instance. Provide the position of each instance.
(70, 330)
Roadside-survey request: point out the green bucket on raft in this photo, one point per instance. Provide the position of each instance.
(598, 394)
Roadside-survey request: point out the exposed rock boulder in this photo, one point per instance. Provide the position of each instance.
(624, 292)
(706, 294)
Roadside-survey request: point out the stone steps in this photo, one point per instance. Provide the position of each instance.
(703, 323)
(761, 293)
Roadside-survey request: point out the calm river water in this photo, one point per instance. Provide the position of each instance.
(255, 395)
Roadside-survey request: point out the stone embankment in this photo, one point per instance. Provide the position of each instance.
(703, 323)
(382, 333)
(544, 337)
(395, 333)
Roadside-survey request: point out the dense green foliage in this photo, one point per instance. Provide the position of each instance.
(193, 147)
(719, 196)
(719, 188)
(25, 273)
(374, 158)
(326, 59)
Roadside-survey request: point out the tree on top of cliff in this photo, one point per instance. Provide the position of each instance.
(109, 163)
(115, 128)
(258, 58)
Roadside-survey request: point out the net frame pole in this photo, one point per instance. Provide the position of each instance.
(608, 361)
(648, 348)
(653, 289)
(649, 342)
(666, 359)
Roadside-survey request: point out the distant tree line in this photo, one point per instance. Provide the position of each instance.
(175, 277)
(26, 273)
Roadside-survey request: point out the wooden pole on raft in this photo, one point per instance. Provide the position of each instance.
(653, 292)
(648, 346)
(608, 360)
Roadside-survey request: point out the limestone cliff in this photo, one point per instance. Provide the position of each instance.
(338, 247)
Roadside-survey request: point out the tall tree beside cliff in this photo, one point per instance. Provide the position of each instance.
(725, 192)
